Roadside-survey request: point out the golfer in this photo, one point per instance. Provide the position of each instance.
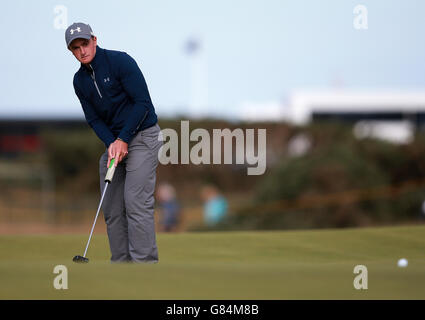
(117, 106)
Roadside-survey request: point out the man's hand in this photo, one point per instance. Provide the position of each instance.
(118, 150)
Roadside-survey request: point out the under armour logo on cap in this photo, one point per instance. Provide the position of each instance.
(72, 30)
(78, 30)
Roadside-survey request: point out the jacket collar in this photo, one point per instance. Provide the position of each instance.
(96, 60)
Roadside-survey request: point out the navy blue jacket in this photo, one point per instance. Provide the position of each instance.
(114, 96)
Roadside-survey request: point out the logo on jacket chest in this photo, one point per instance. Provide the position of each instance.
(106, 80)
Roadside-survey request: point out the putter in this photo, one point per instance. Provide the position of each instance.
(108, 180)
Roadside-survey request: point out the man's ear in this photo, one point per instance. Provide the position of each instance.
(94, 38)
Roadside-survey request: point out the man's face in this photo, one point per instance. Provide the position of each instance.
(84, 50)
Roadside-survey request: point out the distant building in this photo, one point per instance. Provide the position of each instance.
(391, 115)
(355, 105)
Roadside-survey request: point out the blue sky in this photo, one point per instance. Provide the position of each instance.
(254, 51)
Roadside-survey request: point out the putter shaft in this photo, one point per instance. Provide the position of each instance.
(95, 219)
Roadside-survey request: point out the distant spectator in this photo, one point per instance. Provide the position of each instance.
(169, 207)
(215, 205)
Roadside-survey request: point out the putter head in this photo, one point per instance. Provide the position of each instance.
(80, 259)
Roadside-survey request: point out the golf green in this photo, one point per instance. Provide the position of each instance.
(223, 265)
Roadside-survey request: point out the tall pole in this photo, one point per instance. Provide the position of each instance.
(198, 78)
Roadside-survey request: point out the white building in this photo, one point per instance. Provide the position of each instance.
(361, 104)
(387, 114)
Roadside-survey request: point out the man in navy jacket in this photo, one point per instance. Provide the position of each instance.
(117, 106)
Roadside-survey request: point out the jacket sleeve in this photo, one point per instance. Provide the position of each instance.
(99, 127)
(134, 85)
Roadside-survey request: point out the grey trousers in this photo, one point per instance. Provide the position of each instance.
(128, 206)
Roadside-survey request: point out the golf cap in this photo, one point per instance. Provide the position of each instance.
(78, 30)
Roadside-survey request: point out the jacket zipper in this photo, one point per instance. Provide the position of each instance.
(140, 123)
(94, 80)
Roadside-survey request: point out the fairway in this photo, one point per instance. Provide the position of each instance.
(223, 265)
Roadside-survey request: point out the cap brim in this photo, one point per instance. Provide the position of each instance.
(82, 36)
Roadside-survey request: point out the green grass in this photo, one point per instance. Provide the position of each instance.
(227, 265)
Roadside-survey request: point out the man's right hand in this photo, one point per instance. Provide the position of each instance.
(118, 150)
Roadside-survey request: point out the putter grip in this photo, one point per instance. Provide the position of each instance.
(110, 173)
